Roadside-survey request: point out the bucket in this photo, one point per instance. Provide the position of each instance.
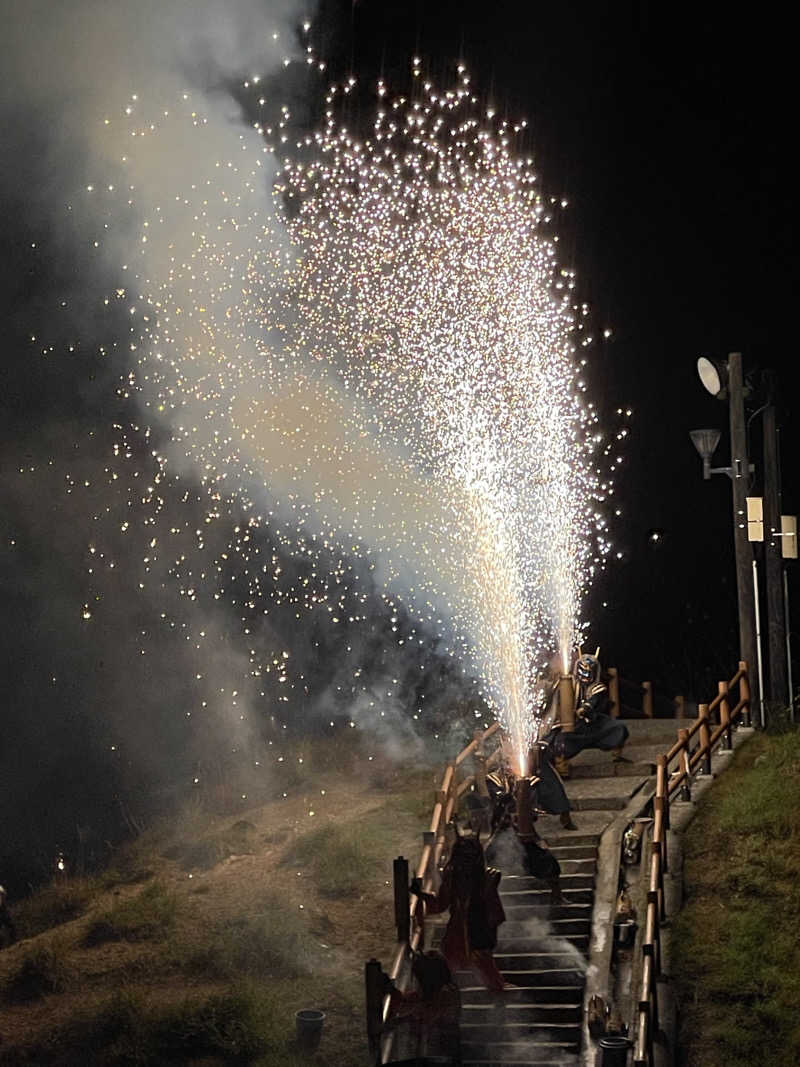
(625, 932)
(308, 1024)
(612, 1051)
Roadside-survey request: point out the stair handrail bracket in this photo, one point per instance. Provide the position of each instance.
(676, 768)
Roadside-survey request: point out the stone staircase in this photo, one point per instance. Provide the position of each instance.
(542, 950)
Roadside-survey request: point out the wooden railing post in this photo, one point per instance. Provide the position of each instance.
(679, 703)
(374, 984)
(726, 741)
(659, 831)
(744, 694)
(647, 700)
(613, 691)
(705, 738)
(402, 915)
(686, 787)
(662, 784)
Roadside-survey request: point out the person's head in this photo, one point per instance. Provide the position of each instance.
(431, 973)
(587, 669)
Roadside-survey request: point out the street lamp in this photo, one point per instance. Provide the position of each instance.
(706, 441)
(723, 379)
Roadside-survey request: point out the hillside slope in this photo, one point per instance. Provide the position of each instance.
(210, 931)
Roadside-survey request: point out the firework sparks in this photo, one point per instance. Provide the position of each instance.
(385, 372)
(429, 282)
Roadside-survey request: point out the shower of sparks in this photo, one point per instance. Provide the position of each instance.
(380, 369)
(429, 282)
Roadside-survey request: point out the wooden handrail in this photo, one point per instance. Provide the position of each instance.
(666, 784)
(445, 803)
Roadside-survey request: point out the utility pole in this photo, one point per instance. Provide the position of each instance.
(778, 688)
(740, 474)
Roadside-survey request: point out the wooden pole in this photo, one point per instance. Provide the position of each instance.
(374, 986)
(686, 789)
(662, 786)
(725, 716)
(740, 478)
(744, 693)
(705, 739)
(680, 706)
(613, 691)
(647, 700)
(778, 687)
(402, 914)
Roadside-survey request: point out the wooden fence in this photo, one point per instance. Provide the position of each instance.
(690, 754)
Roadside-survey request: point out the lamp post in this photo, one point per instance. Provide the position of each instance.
(779, 690)
(725, 381)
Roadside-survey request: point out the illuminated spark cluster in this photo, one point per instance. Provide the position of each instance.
(429, 282)
(380, 370)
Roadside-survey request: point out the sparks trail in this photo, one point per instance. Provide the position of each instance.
(384, 374)
(429, 282)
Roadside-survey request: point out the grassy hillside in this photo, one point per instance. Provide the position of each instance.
(736, 945)
(208, 932)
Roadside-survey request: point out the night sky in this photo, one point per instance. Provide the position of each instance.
(670, 135)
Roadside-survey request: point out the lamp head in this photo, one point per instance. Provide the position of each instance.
(713, 373)
(705, 441)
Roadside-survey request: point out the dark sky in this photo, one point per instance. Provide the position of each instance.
(669, 130)
(670, 134)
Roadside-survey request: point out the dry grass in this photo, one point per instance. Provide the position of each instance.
(201, 941)
(736, 952)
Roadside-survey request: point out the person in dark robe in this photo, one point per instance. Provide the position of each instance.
(469, 890)
(547, 788)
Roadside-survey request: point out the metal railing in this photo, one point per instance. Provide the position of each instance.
(690, 754)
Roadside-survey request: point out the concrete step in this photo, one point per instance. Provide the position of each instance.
(555, 1012)
(577, 888)
(536, 976)
(571, 838)
(555, 1059)
(511, 1032)
(609, 769)
(545, 910)
(522, 1051)
(532, 944)
(602, 794)
(562, 993)
(569, 881)
(552, 957)
(573, 852)
(558, 927)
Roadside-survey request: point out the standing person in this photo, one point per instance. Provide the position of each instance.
(514, 840)
(547, 788)
(6, 922)
(470, 892)
(594, 727)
